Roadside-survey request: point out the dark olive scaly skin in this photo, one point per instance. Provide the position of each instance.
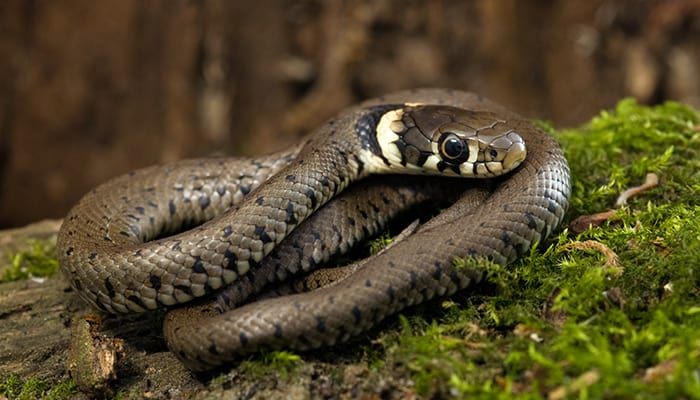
(101, 247)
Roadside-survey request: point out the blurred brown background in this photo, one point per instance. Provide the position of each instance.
(91, 89)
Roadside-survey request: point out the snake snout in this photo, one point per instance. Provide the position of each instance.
(515, 156)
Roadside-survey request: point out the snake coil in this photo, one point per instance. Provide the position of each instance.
(247, 216)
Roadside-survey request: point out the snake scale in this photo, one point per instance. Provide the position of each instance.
(227, 227)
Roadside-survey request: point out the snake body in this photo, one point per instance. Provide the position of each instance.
(110, 250)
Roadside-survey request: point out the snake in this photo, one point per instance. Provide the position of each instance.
(226, 227)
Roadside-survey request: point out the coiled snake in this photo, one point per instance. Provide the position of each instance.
(115, 249)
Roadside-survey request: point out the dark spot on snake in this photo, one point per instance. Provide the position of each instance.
(343, 154)
(98, 304)
(179, 188)
(221, 190)
(151, 220)
(505, 238)
(363, 213)
(365, 231)
(368, 283)
(77, 284)
(155, 281)
(290, 178)
(278, 331)
(298, 247)
(291, 218)
(171, 207)
(391, 264)
(441, 166)
(471, 252)
(316, 235)
(92, 256)
(374, 207)
(521, 249)
(227, 231)
(251, 278)
(438, 271)
(312, 196)
(124, 234)
(132, 216)
(184, 289)
(132, 173)
(260, 200)
(357, 314)
(331, 299)
(140, 210)
(320, 324)
(182, 354)
(231, 257)
(137, 300)
(110, 288)
(351, 221)
(198, 265)
(414, 279)
(136, 230)
(260, 232)
(212, 350)
(245, 189)
(204, 201)
(552, 206)
(385, 199)
(312, 263)
(391, 292)
(360, 164)
(224, 295)
(152, 204)
(69, 251)
(175, 246)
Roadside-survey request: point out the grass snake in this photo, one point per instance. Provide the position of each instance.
(170, 234)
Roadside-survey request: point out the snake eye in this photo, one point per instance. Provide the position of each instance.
(453, 149)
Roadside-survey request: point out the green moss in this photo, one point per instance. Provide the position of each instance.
(561, 322)
(282, 362)
(13, 387)
(38, 261)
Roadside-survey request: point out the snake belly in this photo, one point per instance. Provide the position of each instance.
(105, 251)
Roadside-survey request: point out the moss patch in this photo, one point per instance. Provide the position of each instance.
(13, 387)
(564, 323)
(281, 362)
(38, 261)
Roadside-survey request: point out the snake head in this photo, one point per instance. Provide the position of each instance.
(438, 139)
